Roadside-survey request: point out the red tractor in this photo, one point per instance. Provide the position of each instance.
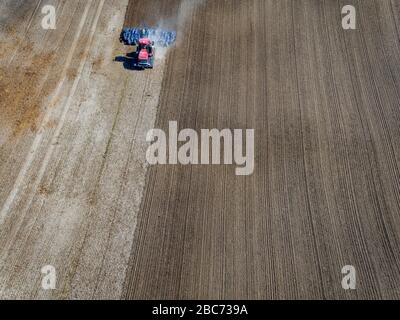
(143, 39)
(145, 52)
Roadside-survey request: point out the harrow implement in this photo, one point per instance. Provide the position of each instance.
(131, 36)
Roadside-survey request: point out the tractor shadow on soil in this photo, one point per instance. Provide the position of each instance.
(128, 61)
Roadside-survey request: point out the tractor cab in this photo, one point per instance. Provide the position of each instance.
(145, 44)
(145, 53)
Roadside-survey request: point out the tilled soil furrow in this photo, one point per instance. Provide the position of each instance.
(325, 191)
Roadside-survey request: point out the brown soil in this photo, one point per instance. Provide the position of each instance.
(325, 193)
(21, 92)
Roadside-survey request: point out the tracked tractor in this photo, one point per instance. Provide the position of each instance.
(145, 40)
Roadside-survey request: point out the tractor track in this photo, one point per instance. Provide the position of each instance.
(39, 137)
